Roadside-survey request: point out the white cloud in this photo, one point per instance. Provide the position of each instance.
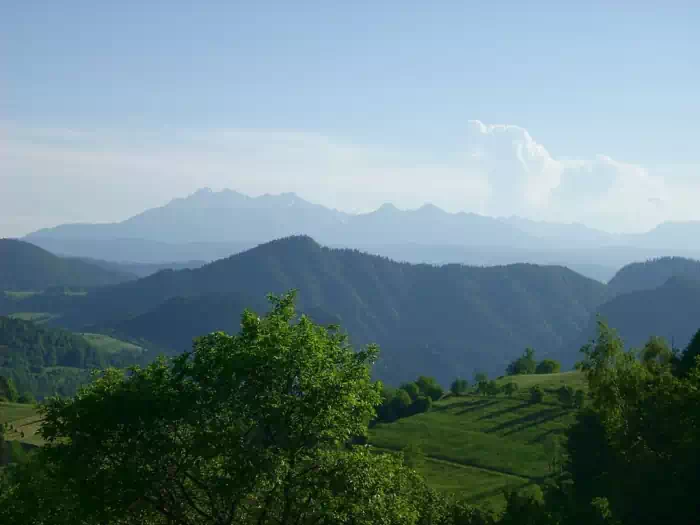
(50, 176)
(601, 192)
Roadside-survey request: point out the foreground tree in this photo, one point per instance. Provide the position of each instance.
(246, 428)
(633, 453)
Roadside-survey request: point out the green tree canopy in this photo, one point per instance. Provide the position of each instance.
(412, 390)
(429, 387)
(459, 386)
(525, 364)
(246, 428)
(510, 388)
(548, 366)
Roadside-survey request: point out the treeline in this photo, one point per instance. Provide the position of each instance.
(408, 399)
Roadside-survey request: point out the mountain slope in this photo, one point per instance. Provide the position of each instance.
(671, 311)
(441, 320)
(47, 360)
(24, 266)
(652, 274)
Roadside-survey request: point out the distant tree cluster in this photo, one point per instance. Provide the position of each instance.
(526, 364)
(409, 399)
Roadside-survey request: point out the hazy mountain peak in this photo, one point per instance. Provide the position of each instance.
(430, 208)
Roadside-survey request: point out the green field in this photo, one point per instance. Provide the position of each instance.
(548, 381)
(22, 419)
(36, 317)
(18, 296)
(110, 344)
(478, 446)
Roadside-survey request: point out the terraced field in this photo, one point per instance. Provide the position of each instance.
(22, 422)
(478, 446)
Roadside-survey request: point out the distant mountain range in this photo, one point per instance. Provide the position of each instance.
(210, 225)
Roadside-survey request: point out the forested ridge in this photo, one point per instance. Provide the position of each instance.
(25, 267)
(430, 319)
(427, 318)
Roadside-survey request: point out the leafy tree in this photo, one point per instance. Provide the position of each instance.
(413, 455)
(536, 394)
(656, 353)
(492, 388)
(401, 403)
(429, 387)
(459, 387)
(548, 366)
(412, 390)
(480, 376)
(525, 364)
(688, 358)
(482, 387)
(245, 428)
(8, 390)
(27, 398)
(579, 398)
(633, 451)
(565, 393)
(422, 404)
(510, 388)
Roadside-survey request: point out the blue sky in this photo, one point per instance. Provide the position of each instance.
(593, 78)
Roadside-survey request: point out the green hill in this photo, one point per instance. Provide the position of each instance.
(25, 267)
(440, 321)
(44, 360)
(652, 274)
(481, 445)
(671, 311)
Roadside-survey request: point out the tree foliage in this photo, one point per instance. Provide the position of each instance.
(525, 364)
(536, 394)
(548, 366)
(245, 428)
(459, 386)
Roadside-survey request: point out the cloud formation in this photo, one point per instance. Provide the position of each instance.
(51, 176)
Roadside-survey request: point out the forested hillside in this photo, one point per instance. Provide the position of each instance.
(25, 267)
(652, 274)
(45, 361)
(442, 320)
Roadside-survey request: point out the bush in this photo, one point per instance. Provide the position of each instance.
(412, 390)
(429, 387)
(492, 388)
(27, 398)
(548, 366)
(536, 394)
(400, 403)
(523, 365)
(579, 398)
(566, 395)
(422, 404)
(459, 387)
(510, 388)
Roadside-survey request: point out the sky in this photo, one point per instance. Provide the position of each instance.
(560, 111)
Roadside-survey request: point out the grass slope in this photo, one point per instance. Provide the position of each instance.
(110, 344)
(25, 267)
(478, 446)
(22, 419)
